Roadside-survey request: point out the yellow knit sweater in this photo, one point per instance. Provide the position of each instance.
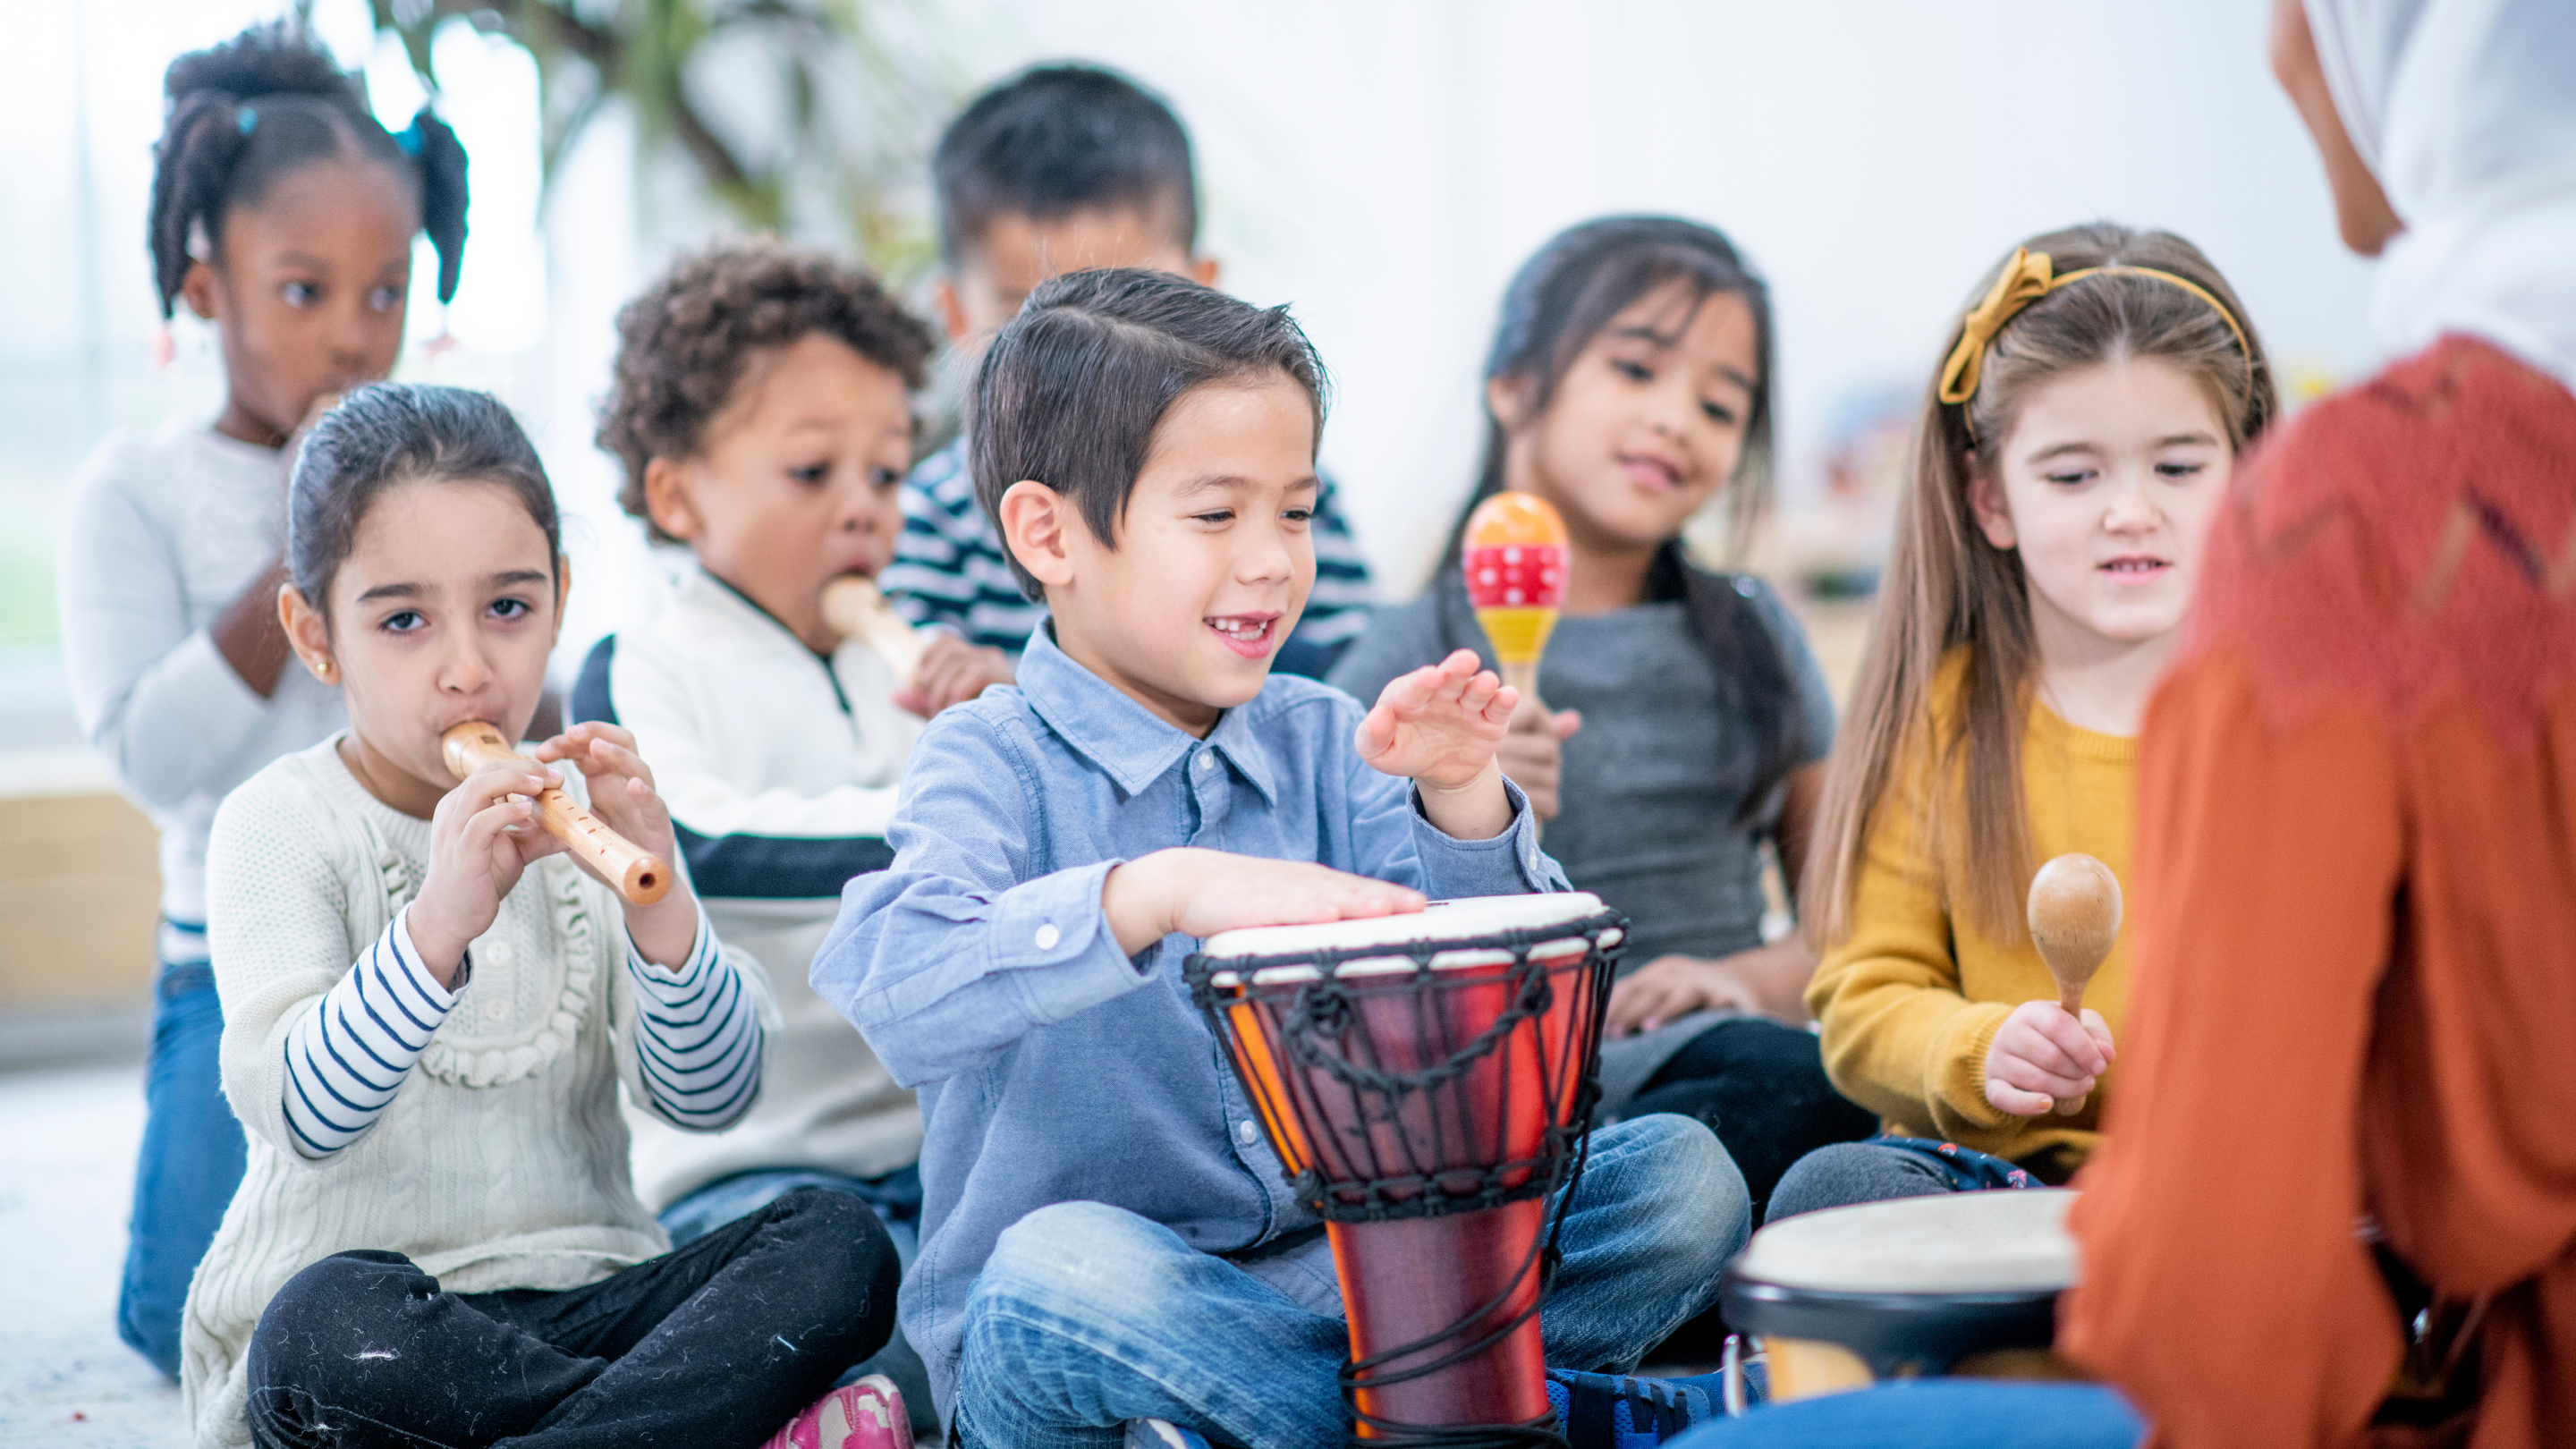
(1911, 999)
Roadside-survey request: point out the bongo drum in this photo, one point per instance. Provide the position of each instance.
(1427, 1081)
(1957, 1283)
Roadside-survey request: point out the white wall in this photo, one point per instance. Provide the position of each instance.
(1382, 165)
(1385, 166)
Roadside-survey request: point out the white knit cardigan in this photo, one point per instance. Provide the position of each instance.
(502, 1161)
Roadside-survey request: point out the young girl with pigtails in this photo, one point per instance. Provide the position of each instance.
(431, 1009)
(283, 214)
(2075, 446)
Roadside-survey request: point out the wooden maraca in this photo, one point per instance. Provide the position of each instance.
(2074, 919)
(857, 609)
(1515, 560)
(637, 874)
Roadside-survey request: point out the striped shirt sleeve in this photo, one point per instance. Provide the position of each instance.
(698, 1037)
(351, 1051)
(949, 570)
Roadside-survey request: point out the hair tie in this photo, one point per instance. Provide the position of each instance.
(246, 120)
(410, 137)
(2028, 277)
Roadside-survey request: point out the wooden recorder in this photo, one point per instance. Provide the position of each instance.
(638, 874)
(855, 609)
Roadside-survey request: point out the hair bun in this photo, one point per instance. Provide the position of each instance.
(279, 58)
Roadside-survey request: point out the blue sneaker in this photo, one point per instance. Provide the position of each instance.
(1620, 1411)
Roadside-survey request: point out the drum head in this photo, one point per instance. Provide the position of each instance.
(1459, 920)
(2004, 1241)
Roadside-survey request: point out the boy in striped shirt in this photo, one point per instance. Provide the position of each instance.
(1058, 169)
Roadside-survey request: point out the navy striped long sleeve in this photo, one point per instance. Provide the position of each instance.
(353, 1049)
(698, 1039)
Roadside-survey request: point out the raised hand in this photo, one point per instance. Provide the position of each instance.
(1201, 892)
(2041, 1054)
(482, 836)
(1440, 723)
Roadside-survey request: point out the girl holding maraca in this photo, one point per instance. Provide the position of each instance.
(1629, 386)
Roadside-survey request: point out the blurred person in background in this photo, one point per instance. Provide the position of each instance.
(284, 214)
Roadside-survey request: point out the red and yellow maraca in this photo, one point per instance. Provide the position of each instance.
(1515, 557)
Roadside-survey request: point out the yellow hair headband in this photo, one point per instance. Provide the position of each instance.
(2028, 277)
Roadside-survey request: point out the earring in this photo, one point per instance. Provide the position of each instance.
(326, 671)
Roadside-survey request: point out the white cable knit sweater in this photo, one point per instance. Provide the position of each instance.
(502, 1160)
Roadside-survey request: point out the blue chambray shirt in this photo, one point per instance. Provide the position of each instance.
(980, 968)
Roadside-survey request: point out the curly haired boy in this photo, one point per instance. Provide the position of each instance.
(762, 410)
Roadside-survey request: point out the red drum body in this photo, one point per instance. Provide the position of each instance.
(1426, 1081)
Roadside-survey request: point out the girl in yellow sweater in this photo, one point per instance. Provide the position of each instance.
(2074, 447)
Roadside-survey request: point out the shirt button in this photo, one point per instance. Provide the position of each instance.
(1247, 1132)
(1207, 762)
(1048, 935)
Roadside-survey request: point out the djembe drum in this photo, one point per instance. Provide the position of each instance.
(1959, 1283)
(1427, 1081)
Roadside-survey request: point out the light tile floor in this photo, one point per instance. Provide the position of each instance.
(66, 1176)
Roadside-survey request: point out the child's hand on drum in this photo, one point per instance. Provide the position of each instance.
(622, 796)
(1440, 725)
(1532, 752)
(2041, 1054)
(1201, 892)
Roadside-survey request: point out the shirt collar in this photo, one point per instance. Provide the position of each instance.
(1129, 742)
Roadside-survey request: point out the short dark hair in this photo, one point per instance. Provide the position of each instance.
(390, 433)
(1058, 139)
(261, 105)
(1070, 393)
(684, 344)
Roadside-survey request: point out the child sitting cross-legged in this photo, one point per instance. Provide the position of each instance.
(763, 413)
(429, 1012)
(1107, 1235)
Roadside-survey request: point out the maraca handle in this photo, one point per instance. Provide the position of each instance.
(2071, 999)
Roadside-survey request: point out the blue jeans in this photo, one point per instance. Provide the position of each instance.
(1087, 1316)
(896, 1200)
(1936, 1414)
(192, 1158)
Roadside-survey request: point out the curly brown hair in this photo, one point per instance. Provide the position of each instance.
(685, 343)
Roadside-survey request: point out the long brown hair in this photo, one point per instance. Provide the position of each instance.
(1946, 587)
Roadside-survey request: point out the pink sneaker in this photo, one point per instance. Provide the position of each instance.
(865, 1415)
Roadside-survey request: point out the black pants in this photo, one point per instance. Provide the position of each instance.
(1761, 1087)
(714, 1346)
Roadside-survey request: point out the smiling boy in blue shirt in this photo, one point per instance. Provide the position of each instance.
(1107, 1235)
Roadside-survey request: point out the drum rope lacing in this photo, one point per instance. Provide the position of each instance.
(1326, 1006)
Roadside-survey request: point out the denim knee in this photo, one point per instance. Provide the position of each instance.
(1707, 1214)
(1080, 1260)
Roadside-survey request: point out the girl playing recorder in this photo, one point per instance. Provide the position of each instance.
(429, 1011)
